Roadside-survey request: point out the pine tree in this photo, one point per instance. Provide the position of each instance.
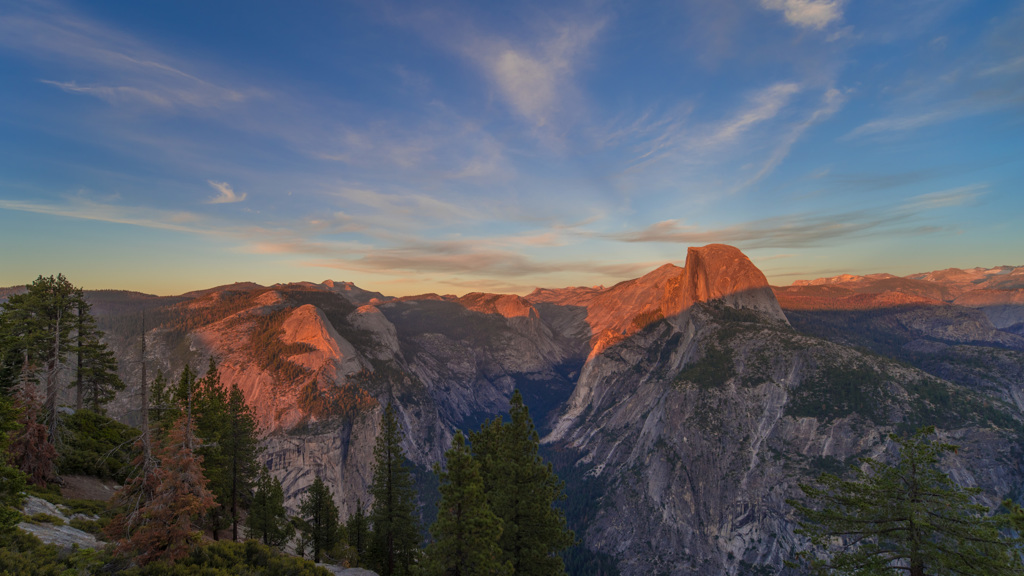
(37, 326)
(240, 449)
(163, 410)
(395, 533)
(522, 490)
(140, 487)
(96, 380)
(358, 528)
(323, 531)
(184, 393)
(169, 528)
(12, 480)
(12, 357)
(267, 521)
(31, 449)
(132, 498)
(907, 517)
(231, 448)
(466, 532)
(209, 408)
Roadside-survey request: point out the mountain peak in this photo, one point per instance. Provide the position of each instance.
(717, 271)
(712, 272)
(507, 305)
(355, 294)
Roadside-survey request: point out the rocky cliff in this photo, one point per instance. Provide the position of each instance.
(699, 427)
(997, 292)
(681, 407)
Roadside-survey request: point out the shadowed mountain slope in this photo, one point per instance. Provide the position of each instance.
(682, 407)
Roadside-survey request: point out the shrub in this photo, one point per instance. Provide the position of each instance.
(95, 445)
(44, 518)
(233, 559)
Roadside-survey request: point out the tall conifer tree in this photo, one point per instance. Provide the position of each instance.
(466, 532)
(37, 329)
(209, 407)
(96, 379)
(904, 517)
(240, 448)
(395, 532)
(163, 408)
(267, 520)
(358, 528)
(522, 490)
(31, 449)
(170, 520)
(323, 531)
(12, 480)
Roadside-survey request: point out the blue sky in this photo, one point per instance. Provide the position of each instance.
(450, 147)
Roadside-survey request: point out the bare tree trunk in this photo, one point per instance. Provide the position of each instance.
(234, 479)
(51, 381)
(147, 448)
(78, 381)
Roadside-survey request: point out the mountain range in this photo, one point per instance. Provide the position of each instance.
(682, 408)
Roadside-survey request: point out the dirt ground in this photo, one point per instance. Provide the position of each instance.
(87, 488)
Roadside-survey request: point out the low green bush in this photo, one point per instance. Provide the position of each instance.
(23, 553)
(233, 559)
(95, 445)
(44, 518)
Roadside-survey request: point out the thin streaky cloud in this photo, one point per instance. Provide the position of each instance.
(765, 105)
(114, 94)
(467, 258)
(122, 69)
(900, 123)
(947, 198)
(226, 194)
(673, 137)
(977, 85)
(810, 230)
(82, 209)
(410, 203)
(1008, 67)
(832, 101)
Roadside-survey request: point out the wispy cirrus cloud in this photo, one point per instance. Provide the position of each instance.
(988, 79)
(409, 208)
(832, 100)
(816, 14)
(108, 64)
(472, 257)
(764, 105)
(903, 123)
(673, 135)
(226, 194)
(115, 94)
(812, 230)
(442, 146)
(84, 209)
(773, 118)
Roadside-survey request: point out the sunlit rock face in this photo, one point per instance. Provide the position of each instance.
(682, 406)
(712, 272)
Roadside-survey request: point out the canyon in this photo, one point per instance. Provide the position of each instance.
(682, 408)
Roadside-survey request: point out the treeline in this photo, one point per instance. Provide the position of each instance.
(497, 514)
(192, 472)
(48, 336)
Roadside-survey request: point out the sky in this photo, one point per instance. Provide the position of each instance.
(449, 147)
